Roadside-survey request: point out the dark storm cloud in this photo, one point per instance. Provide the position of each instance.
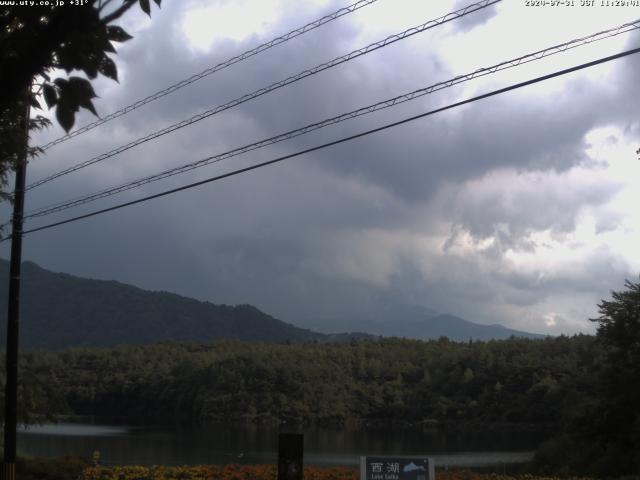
(498, 132)
(345, 229)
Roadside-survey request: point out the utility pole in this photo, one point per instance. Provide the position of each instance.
(13, 316)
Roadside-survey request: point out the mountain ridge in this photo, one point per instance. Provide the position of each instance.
(60, 310)
(422, 324)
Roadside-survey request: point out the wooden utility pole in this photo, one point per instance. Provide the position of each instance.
(13, 316)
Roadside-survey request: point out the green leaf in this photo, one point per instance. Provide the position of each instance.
(67, 58)
(157, 2)
(146, 8)
(50, 95)
(65, 115)
(88, 104)
(90, 65)
(73, 93)
(39, 123)
(33, 101)
(108, 47)
(108, 68)
(81, 92)
(82, 87)
(117, 34)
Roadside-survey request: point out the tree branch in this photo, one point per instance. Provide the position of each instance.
(118, 12)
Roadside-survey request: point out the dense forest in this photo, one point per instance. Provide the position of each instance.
(365, 382)
(583, 388)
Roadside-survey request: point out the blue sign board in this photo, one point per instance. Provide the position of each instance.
(396, 468)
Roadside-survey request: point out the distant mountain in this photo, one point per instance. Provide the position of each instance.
(60, 310)
(419, 323)
(457, 328)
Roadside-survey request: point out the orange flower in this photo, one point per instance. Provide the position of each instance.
(265, 472)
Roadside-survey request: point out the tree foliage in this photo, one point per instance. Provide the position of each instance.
(12, 135)
(617, 430)
(37, 41)
(601, 433)
(390, 381)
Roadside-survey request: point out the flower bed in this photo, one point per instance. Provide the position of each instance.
(211, 472)
(265, 472)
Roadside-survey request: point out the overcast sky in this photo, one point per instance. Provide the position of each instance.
(521, 209)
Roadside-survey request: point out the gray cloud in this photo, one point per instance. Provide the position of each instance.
(467, 23)
(355, 226)
(525, 203)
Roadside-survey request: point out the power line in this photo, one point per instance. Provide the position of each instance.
(211, 70)
(339, 141)
(274, 86)
(60, 206)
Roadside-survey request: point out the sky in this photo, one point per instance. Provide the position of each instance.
(520, 209)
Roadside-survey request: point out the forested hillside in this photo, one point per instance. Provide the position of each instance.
(60, 310)
(366, 382)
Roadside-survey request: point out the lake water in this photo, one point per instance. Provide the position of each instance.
(175, 445)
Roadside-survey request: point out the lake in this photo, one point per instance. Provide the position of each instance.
(121, 444)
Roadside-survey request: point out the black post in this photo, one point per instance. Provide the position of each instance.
(290, 451)
(13, 315)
